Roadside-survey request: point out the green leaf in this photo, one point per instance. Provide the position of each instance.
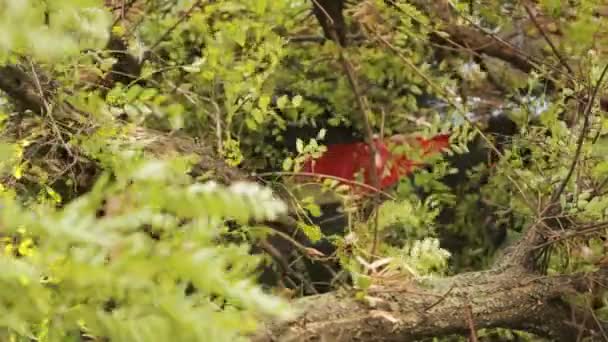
(321, 134)
(133, 93)
(257, 115)
(296, 101)
(601, 169)
(260, 6)
(264, 101)
(287, 164)
(282, 102)
(148, 94)
(312, 232)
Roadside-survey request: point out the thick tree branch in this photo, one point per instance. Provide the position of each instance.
(330, 17)
(511, 298)
(483, 44)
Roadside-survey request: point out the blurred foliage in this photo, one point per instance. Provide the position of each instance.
(54, 30)
(157, 237)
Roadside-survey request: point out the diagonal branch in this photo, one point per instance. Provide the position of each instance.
(335, 34)
(556, 52)
(330, 15)
(581, 138)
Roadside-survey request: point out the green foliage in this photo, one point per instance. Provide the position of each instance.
(304, 152)
(407, 219)
(228, 74)
(81, 262)
(425, 256)
(52, 30)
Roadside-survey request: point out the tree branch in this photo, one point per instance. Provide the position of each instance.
(511, 298)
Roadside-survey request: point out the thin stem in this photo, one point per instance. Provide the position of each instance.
(581, 138)
(556, 52)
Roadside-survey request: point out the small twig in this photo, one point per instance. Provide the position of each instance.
(569, 235)
(532, 61)
(180, 20)
(306, 39)
(447, 97)
(300, 211)
(300, 247)
(556, 52)
(471, 323)
(285, 267)
(443, 297)
(39, 87)
(349, 70)
(218, 122)
(47, 111)
(599, 324)
(331, 20)
(336, 178)
(382, 123)
(597, 190)
(124, 8)
(320, 39)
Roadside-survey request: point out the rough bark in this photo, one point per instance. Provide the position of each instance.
(483, 44)
(509, 298)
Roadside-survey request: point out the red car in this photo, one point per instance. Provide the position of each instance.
(347, 161)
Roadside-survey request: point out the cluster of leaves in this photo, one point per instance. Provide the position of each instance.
(149, 266)
(52, 30)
